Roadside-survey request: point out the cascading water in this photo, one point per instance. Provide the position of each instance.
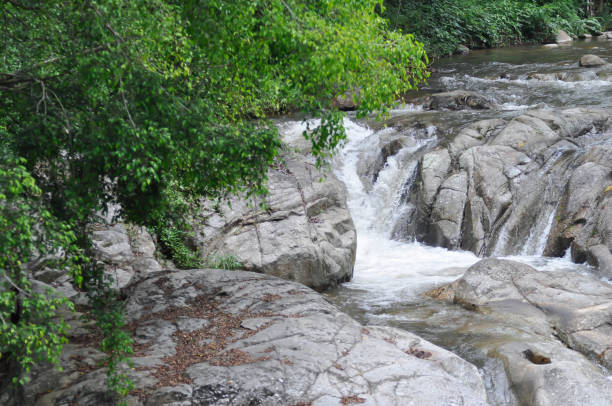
(390, 275)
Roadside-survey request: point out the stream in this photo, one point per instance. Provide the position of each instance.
(391, 273)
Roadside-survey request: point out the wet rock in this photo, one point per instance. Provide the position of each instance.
(447, 213)
(600, 257)
(564, 76)
(388, 145)
(544, 76)
(535, 311)
(536, 184)
(584, 218)
(462, 49)
(349, 101)
(562, 36)
(590, 60)
(457, 100)
(304, 234)
(301, 350)
(550, 46)
(434, 169)
(605, 75)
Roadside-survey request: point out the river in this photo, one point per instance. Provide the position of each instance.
(391, 273)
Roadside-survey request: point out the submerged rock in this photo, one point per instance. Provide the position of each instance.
(564, 76)
(590, 60)
(212, 337)
(605, 75)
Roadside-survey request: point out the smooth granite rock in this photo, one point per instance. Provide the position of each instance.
(213, 337)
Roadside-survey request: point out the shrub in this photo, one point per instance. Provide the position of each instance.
(228, 262)
(442, 25)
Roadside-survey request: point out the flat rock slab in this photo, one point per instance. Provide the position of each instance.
(212, 337)
(540, 319)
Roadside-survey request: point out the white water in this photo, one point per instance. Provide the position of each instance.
(389, 271)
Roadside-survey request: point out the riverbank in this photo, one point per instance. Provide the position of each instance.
(449, 26)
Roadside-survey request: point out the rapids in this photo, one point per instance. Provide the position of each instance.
(390, 275)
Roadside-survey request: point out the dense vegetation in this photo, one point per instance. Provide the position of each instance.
(147, 104)
(443, 25)
(150, 104)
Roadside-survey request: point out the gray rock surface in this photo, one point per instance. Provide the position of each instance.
(305, 233)
(562, 36)
(605, 75)
(349, 101)
(127, 251)
(534, 184)
(462, 49)
(212, 337)
(552, 314)
(590, 60)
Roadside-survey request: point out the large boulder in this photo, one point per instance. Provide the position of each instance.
(212, 337)
(348, 101)
(303, 232)
(562, 36)
(590, 60)
(125, 251)
(550, 329)
(534, 184)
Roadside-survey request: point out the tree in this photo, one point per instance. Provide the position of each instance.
(126, 102)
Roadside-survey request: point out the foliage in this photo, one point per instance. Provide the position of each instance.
(139, 103)
(173, 243)
(445, 24)
(228, 262)
(107, 312)
(29, 239)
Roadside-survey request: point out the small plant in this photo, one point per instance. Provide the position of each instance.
(227, 262)
(173, 244)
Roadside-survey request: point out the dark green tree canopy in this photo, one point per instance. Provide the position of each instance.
(109, 101)
(131, 102)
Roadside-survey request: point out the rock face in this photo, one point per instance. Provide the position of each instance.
(304, 234)
(126, 250)
(590, 60)
(127, 253)
(605, 75)
(540, 318)
(538, 183)
(212, 337)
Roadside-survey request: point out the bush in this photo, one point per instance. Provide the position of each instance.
(442, 25)
(228, 262)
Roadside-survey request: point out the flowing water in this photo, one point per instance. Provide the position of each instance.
(390, 275)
